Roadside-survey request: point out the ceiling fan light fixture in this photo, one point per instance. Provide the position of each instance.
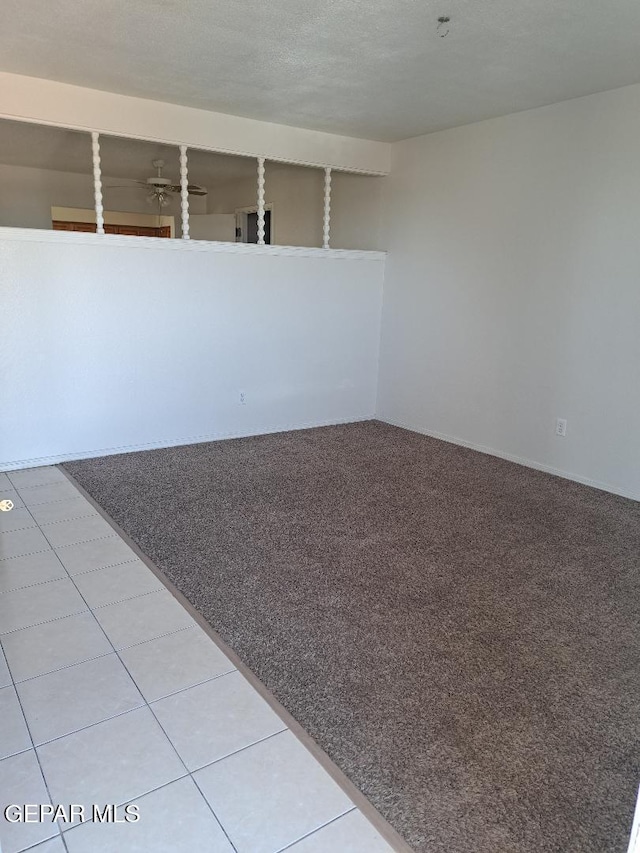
(160, 199)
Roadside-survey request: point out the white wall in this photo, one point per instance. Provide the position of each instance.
(27, 196)
(297, 195)
(49, 102)
(102, 351)
(356, 211)
(512, 292)
(212, 226)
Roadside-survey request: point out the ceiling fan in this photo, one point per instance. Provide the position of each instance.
(161, 189)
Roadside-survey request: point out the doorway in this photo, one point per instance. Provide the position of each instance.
(247, 225)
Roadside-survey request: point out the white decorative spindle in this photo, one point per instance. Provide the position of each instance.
(97, 182)
(261, 201)
(184, 192)
(327, 207)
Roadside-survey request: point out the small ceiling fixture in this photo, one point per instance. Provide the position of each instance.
(443, 26)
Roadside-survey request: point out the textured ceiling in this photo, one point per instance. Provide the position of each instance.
(370, 68)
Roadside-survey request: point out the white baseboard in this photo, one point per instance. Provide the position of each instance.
(520, 460)
(220, 436)
(173, 442)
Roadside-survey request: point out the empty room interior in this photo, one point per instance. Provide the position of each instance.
(320, 427)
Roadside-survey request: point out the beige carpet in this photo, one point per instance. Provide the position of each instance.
(459, 633)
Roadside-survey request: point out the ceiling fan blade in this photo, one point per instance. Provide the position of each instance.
(193, 189)
(132, 186)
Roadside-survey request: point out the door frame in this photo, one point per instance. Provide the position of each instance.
(241, 222)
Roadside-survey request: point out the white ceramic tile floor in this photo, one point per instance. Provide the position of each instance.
(63, 702)
(174, 662)
(18, 519)
(116, 583)
(53, 845)
(242, 718)
(22, 608)
(178, 819)
(350, 833)
(64, 510)
(54, 645)
(21, 778)
(19, 572)
(96, 554)
(262, 795)
(48, 493)
(10, 494)
(111, 693)
(15, 735)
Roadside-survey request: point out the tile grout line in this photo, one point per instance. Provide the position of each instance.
(44, 621)
(59, 668)
(18, 529)
(61, 520)
(29, 553)
(53, 482)
(43, 524)
(353, 808)
(30, 586)
(121, 600)
(99, 568)
(3, 657)
(35, 846)
(216, 818)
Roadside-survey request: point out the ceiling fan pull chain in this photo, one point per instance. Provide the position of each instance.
(184, 192)
(97, 182)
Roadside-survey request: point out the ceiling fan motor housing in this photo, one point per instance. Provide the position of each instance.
(158, 180)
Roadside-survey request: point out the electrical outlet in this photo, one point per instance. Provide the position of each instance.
(243, 398)
(561, 427)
